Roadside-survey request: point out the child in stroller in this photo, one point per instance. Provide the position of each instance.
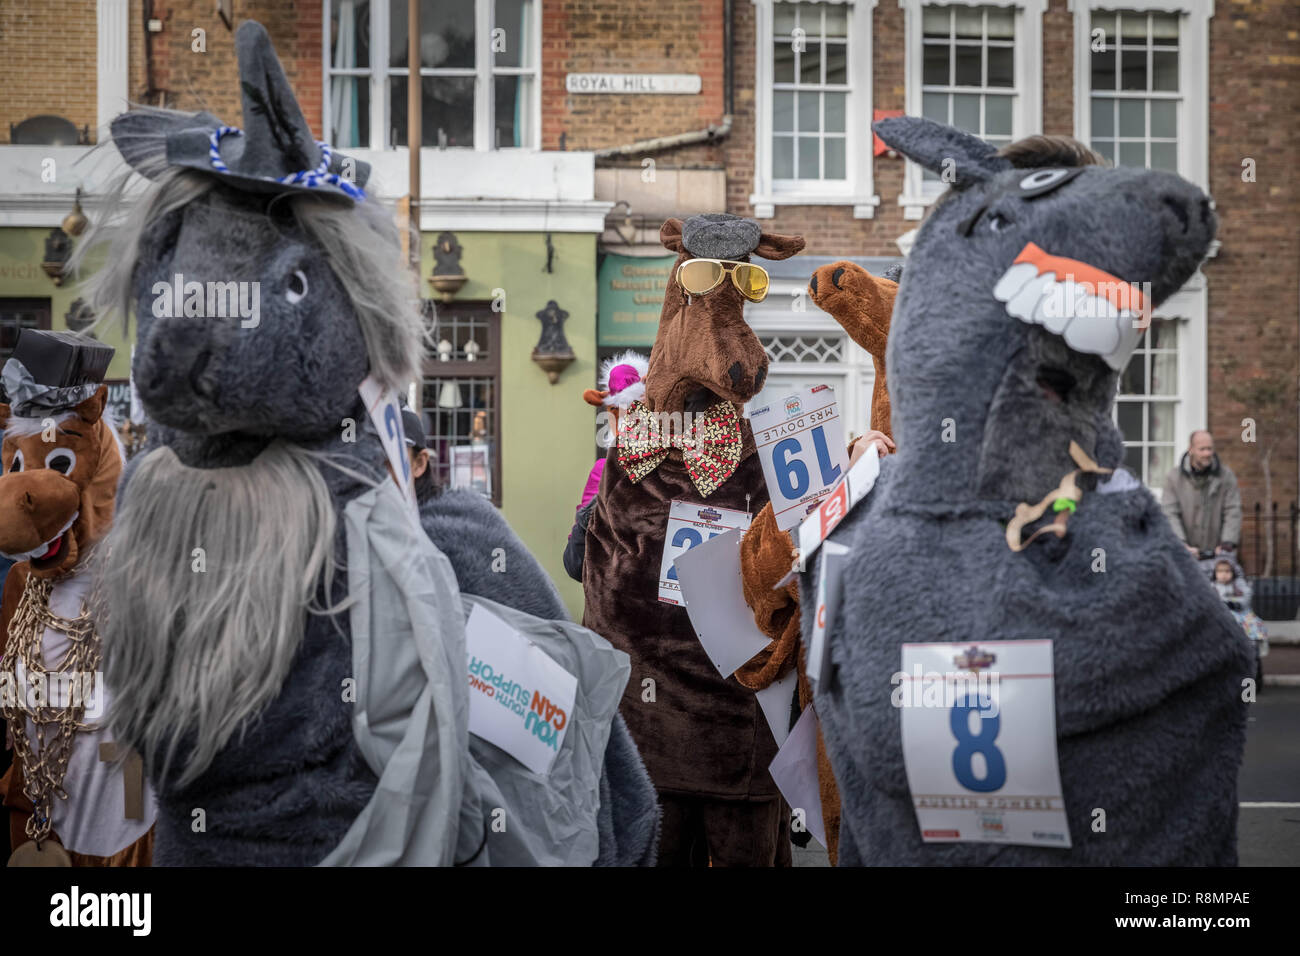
(1230, 581)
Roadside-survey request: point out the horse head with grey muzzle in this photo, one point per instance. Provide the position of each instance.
(1025, 294)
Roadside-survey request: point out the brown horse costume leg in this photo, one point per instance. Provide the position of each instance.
(862, 304)
(703, 738)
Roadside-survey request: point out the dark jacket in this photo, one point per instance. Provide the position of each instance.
(1204, 513)
(576, 548)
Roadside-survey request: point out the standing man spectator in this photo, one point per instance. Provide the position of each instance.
(1202, 500)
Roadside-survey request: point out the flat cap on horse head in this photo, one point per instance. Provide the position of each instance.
(705, 352)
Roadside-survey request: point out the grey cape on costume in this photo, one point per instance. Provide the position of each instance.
(439, 787)
(1149, 666)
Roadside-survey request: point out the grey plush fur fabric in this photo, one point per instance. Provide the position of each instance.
(720, 235)
(1150, 717)
(468, 529)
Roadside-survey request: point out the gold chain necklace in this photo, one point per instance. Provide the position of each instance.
(45, 764)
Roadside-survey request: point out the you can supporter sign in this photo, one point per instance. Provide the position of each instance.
(519, 698)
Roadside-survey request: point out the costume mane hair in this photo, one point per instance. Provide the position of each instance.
(207, 648)
(359, 241)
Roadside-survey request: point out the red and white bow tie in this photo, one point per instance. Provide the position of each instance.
(710, 443)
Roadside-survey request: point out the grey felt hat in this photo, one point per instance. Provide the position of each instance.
(273, 153)
(720, 235)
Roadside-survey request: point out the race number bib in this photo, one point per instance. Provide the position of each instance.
(979, 742)
(829, 579)
(689, 524)
(800, 441)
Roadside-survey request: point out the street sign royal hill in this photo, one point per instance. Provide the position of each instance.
(632, 82)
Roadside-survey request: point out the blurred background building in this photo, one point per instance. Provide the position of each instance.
(557, 135)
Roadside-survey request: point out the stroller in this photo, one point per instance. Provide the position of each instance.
(1236, 596)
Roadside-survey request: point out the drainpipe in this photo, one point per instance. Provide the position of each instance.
(708, 135)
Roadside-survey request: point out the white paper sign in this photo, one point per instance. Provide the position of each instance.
(690, 524)
(794, 771)
(519, 698)
(800, 441)
(852, 488)
(979, 742)
(709, 575)
(830, 574)
(776, 699)
(384, 406)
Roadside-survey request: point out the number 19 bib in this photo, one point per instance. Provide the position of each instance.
(979, 742)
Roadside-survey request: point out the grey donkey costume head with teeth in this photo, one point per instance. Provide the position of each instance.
(1012, 320)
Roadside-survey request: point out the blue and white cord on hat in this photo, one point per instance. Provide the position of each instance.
(311, 178)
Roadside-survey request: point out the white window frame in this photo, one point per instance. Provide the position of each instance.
(1027, 114)
(774, 317)
(857, 188)
(1190, 303)
(1173, 400)
(379, 74)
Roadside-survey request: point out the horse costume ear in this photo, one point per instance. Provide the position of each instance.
(92, 408)
(670, 234)
(957, 156)
(772, 246)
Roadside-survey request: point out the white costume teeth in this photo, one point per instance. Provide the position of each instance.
(1094, 311)
(38, 552)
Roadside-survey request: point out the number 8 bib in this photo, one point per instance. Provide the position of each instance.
(979, 742)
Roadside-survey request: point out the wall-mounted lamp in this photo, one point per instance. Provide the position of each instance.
(79, 316)
(58, 244)
(553, 353)
(448, 276)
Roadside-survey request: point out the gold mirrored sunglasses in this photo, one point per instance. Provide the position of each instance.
(701, 276)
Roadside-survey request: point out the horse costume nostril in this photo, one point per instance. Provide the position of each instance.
(835, 277)
(736, 374)
(812, 284)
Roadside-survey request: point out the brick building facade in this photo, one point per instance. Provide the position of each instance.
(1209, 89)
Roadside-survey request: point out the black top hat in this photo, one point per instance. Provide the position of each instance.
(273, 153)
(53, 371)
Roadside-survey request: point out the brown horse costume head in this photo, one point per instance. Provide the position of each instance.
(862, 304)
(59, 485)
(705, 352)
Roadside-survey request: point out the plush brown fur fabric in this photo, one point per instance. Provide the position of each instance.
(35, 503)
(707, 345)
(700, 735)
(862, 304)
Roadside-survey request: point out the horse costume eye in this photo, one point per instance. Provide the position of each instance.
(297, 287)
(1040, 182)
(61, 460)
(17, 463)
(999, 222)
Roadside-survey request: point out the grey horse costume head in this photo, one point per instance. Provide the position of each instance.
(241, 569)
(1013, 318)
(253, 265)
(1038, 266)
(262, 299)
